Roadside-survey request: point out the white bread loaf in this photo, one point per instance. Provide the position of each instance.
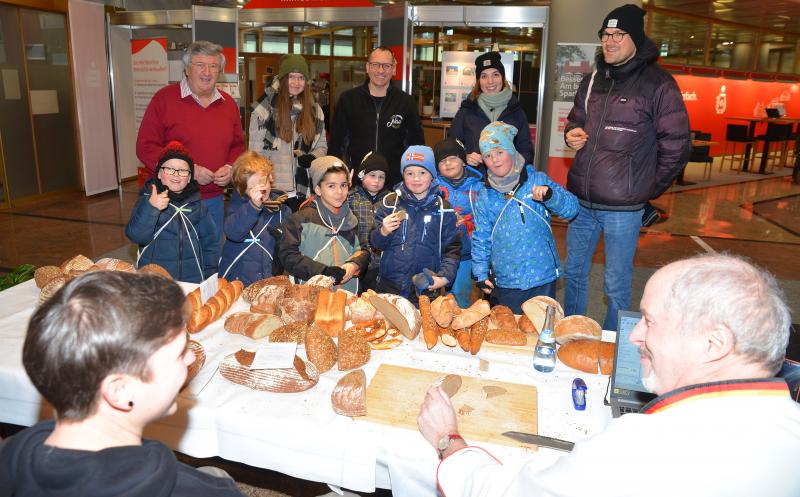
(536, 310)
(577, 327)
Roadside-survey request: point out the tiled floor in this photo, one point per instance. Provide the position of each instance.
(757, 217)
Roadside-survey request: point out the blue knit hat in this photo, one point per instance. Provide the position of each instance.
(498, 134)
(420, 156)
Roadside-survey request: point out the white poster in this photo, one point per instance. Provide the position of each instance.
(150, 72)
(458, 70)
(573, 62)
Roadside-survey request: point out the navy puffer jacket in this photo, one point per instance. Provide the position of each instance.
(187, 243)
(249, 246)
(428, 238)
(638, 131)
(470, 121)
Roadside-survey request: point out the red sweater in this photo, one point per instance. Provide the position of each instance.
(213, 135)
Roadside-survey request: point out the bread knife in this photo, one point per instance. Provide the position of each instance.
(542, 441)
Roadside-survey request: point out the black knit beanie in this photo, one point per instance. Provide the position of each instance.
(373, 161)
(489, 60)
(449, 147)
(628, 18)
(175, 150)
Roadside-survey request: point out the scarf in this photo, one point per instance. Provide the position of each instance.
(178, 198)
(510, 180)
(334, 219)
(495, 103)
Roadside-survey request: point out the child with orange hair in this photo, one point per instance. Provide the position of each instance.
(253, 210)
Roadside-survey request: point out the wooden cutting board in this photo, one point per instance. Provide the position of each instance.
(395, 395)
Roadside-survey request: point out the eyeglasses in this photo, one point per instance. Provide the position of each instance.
(202, 66)
(377, 65)
(617, 37)
(176, 172)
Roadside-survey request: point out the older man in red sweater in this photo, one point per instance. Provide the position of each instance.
(203, 118)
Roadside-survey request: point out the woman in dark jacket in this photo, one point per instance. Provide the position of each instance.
(490, 100)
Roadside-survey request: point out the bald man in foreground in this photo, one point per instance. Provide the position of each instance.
(713, 334)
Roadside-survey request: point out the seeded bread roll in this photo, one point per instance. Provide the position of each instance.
(354, 350)
(320, 349)
(78, 262)
(51, 288)
(477, 333)
(292, 332)
(44, 274)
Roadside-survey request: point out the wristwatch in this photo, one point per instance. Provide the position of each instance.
(445, 441)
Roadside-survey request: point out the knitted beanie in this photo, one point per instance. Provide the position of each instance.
(489, 60)
(628, 18)
(320, 166)
(292, 63)
(420, 156)
(447, 148)
(175, 150)
(373, 161)
(498, 134)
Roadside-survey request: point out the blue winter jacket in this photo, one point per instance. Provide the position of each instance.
(463, 198)
(513, 235)
(181, 238)
(428, 238)
(470, 120)
(249, 245)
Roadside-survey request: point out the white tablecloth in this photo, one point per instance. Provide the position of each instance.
(299, 434)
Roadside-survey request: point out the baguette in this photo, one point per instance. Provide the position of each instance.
(198, 320)
(477, 333)
(194, 299)
(507, 337)
(442, 309)
(589, 356)
(430, 331)
(471, 315)
(463, 338)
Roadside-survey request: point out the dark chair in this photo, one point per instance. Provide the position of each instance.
(701, 153)
(736, 134)
(775, 140)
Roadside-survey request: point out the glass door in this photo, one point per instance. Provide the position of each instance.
(37, 121)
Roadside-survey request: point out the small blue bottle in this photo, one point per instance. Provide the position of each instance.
(544, 355)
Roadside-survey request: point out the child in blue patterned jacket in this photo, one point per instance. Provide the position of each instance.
(460, 185)
(512, 223)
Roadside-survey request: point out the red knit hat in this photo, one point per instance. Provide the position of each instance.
(175, 150)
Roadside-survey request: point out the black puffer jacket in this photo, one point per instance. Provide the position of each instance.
(638, 131)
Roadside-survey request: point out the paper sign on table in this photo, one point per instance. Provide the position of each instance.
(209, 287)
(274, 355)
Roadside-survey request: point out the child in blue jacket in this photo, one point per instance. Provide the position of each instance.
(460, 185)
(253, 211)
(169, 222)
(512, 223)
(416, 229)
